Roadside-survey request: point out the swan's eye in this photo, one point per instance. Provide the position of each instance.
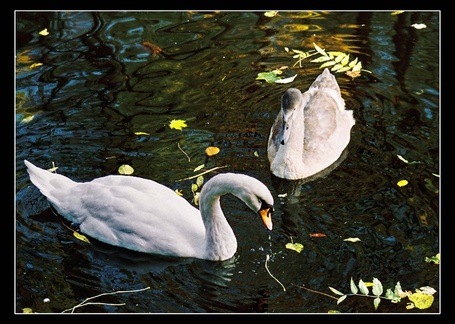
(266, 209)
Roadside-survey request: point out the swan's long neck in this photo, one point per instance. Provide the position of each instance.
(220, 238)
(285, 158)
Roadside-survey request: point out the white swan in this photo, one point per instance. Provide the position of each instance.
(311, 131)
(145, 216)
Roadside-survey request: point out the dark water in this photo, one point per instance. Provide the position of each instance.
(98, 85)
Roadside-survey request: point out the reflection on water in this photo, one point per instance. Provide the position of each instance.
(99, 91)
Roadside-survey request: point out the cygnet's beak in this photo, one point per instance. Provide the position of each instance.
(266, 216)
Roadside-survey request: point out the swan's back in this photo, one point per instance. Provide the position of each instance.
(320, 135)
(125, 211)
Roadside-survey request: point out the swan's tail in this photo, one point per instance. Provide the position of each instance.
(50, 184)
(326, 80)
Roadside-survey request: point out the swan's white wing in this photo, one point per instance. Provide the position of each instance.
(327, 130)
(137, 214)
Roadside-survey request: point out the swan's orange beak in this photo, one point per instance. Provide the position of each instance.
(266, 216)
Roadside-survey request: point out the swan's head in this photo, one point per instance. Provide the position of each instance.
(250, 190)
(291, 101)
(257, 197)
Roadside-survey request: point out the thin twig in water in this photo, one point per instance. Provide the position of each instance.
(315, 291)
(84, 303)
(266, 268)
(199, 174)
(178, 144)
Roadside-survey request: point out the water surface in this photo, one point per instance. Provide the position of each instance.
(104, 76)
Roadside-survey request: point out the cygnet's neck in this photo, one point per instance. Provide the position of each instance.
(289, 155)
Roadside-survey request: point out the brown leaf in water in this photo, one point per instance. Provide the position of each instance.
(155, 49)
(318, 235)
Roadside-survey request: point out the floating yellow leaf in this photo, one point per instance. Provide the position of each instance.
(125, 169)
(196, 198)
(212, 150)
(434, 259)
(81, 237)
(421, 300)
(352, 239)
(44, 32)
(177, 124)
(54, 168)
(419, 26)
(200, 181)
(402, 183)
(141, 133)
(199, 167)
(270, 13)
(178, 192)
(34, 65)
(294, 246)
(406, 161)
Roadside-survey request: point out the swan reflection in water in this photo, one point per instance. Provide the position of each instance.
(289, 196)
(208, 282)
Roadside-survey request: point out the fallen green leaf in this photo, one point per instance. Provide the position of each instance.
(269, 77)
(295, 246)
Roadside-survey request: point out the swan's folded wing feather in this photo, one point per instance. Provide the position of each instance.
(104, 205)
